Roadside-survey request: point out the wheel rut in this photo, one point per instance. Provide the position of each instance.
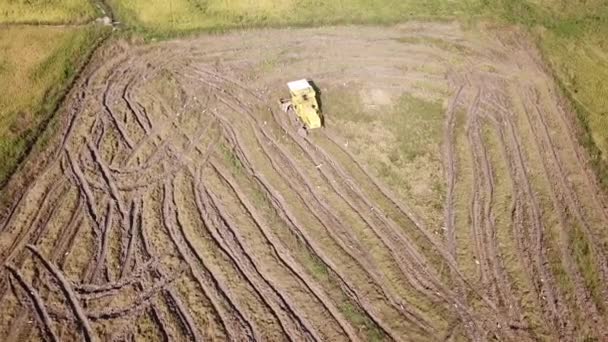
(178, 203)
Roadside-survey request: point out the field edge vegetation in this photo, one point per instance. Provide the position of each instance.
(48, 12)
(43, 83)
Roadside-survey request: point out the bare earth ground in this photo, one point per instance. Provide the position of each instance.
(179, 203)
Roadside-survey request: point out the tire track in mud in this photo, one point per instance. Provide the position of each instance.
(41, 225)
(389, 230)
(232, 136)
(561, 193)
(248, 269)
(281, 307)
(450, 168)
(192, 206)
(41, 216)
(280, 205)
(212, 288)
(155, 313)
(534, 256)
(281, 253)
(293, 220)
(286, 258)
(486, 194)
(331, 220)
(350, 245)
(572, 198)
(38, 303)
(69, 293)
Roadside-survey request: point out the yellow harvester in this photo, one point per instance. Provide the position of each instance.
(303, 104)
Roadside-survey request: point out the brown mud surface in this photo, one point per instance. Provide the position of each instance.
(179, 203)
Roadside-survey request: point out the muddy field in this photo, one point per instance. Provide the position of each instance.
(180, 204)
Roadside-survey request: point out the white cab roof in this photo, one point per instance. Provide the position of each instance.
(299, 85)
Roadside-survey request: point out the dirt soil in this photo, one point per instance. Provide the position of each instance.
(178, 203)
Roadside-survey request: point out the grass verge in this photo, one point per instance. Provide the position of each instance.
(38, 64)
(170, 17)
(46, 12)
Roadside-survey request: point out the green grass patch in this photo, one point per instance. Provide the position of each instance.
(38, 64)
(439, 43)
(408, 134)
(232, 159)
(415, 123)
(47, 11)
(358, 317)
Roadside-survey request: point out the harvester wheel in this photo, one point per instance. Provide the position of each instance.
(286, 105)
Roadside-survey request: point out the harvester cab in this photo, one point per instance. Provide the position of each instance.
(303, 105)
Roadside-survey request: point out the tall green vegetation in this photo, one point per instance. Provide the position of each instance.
(46, 11)
(169, 17)
(36, 64)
